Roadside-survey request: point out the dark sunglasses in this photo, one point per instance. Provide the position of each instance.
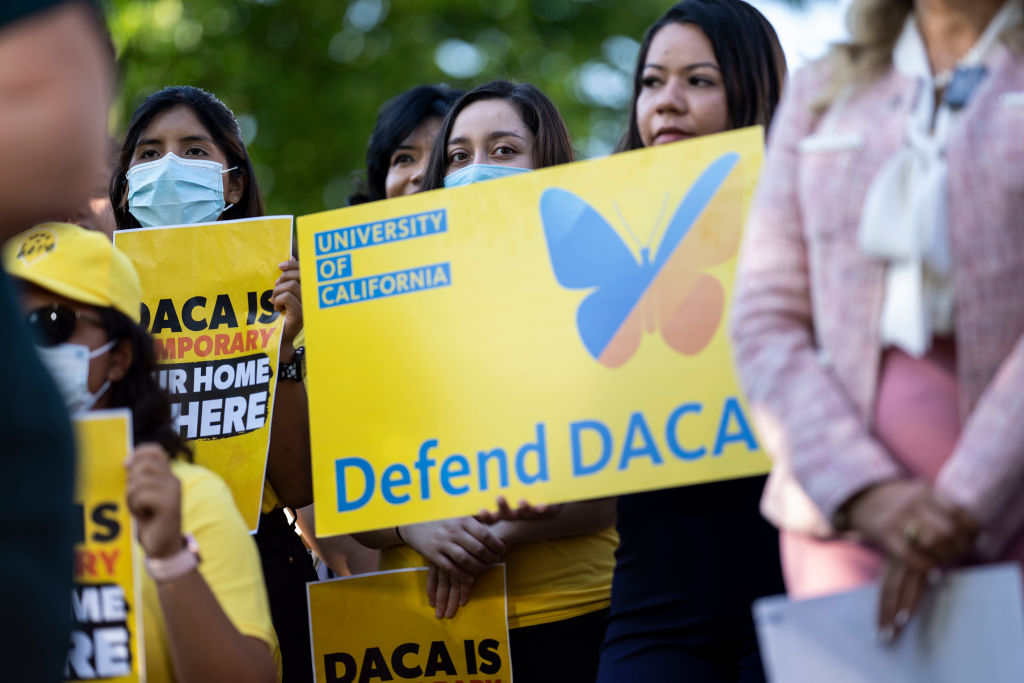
(54, 324)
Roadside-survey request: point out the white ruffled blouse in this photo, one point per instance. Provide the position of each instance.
(904, 219)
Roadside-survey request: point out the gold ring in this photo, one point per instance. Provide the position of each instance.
(912, 531)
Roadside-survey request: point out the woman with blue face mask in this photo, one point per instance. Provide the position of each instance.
(497, 130)
(183, 161)
(558, 564)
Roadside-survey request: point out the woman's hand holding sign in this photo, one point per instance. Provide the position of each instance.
(448, 590)
(204, 643)
(287, 299)
(458, 550)
(289, 467)
(445, 593)
(463, 547)
(154, 498)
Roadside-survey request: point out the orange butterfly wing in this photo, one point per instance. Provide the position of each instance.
(689, 302)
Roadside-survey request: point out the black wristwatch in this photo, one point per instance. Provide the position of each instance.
(293, 369)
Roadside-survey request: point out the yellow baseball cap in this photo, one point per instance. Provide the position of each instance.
(77, 263)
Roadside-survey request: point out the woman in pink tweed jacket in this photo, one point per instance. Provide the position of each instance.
(884, 423)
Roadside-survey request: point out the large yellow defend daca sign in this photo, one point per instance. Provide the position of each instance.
(206, 292)
(106, 596)
(355, 638)
(554, 336)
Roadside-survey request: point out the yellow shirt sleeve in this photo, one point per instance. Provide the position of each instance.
(270, 500)
(230, 566)
(547, 581)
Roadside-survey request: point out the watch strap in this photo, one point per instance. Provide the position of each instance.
(292, 369)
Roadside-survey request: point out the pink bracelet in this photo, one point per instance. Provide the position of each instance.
(176, 565)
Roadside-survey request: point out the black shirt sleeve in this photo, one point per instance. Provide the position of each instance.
(37, 529)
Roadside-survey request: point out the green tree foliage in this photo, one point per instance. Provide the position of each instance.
(306, 77)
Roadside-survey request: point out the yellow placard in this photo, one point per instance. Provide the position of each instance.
(558, 335)
(380, 627)
(106, 596)
(206, 293)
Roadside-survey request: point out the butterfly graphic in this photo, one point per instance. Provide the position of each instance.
(587, 253)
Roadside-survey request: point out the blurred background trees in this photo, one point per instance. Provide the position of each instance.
(306, 77)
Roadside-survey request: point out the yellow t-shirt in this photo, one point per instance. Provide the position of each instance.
(547, 581)
(230, 566)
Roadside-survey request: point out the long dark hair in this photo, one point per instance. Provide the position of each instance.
(551, 146)
(397, 119)
(748, 52)
(219, 122)
(139, 391)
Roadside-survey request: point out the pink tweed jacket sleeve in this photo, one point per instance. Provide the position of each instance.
(805, 315)
(985, 474)
(809, 425)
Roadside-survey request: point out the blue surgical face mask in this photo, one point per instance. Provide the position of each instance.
(477, 173)
(176, 191)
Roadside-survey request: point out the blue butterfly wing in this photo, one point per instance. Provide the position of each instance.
(586, 252)
(602, 313)
(696, 200)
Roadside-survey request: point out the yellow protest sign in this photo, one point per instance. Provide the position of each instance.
(554, 336)
(206, 300)
(380, 627)
(106, 595)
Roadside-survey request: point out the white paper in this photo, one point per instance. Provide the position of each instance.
(969, 629)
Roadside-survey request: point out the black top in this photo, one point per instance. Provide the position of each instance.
(36, 475)
(690, 562)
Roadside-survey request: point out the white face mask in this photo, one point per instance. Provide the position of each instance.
(69, 367)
